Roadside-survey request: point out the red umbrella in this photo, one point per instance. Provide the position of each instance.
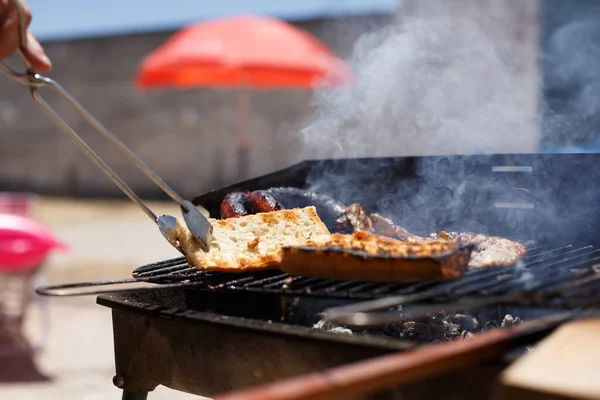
(242, 52)
(253, 51)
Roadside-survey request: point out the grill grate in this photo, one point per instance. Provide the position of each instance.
(567, 272)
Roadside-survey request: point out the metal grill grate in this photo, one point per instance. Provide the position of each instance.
(572, 272)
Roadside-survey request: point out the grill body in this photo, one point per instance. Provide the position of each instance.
(159, 341)
(226, 332)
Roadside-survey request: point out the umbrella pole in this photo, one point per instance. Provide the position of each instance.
(243, 131)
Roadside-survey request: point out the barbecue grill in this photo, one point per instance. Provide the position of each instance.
(208, 333)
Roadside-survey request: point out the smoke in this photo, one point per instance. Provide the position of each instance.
(572, 83)
(433, 83)
(447, 80)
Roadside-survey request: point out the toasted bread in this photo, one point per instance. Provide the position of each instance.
(366, 257)
(251, 242)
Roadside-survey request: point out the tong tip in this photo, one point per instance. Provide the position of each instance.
(198, 225)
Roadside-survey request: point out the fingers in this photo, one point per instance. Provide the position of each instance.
(36, 55)
(10, 37)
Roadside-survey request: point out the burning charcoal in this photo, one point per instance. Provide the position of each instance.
(452, 330)
(414, 330)
(467, 322)
(490, 325)
(466, 334)
(434, 328)
(509, 321)
(392, 330)
(327, 326)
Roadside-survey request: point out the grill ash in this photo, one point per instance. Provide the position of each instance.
(434, 328)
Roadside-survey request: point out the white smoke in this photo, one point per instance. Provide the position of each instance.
(434, 83)
(572, 82)
(457, 77)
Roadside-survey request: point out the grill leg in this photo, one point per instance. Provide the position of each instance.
(134, 395)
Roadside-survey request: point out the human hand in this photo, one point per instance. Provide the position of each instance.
(10, 36)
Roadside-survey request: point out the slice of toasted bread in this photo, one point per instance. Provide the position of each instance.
(251, 242)
(366, 257)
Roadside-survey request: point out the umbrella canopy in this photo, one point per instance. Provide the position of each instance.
(242, 51)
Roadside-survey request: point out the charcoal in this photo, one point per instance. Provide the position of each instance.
(327, 326)
(509, 321)
(490, 325)
(434, 328)
(467, 322)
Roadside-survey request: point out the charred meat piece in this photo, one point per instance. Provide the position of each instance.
(385, 227)
(488, 251)
(262, 201)
(491, 251)
(356, 218)
(234, 205)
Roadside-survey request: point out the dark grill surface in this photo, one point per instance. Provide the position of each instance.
(568, 275)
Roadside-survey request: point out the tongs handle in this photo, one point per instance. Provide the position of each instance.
(198, 224)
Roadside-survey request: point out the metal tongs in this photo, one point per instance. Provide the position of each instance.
(197, 223)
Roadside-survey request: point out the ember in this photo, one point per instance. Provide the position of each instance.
(438, 327)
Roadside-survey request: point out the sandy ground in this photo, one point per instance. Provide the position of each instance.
(108, 239)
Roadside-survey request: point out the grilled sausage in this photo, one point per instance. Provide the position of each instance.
(263, 201)
(234, 205)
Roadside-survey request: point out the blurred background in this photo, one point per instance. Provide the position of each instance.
(428, 77)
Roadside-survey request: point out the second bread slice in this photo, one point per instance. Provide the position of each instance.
(366, 257)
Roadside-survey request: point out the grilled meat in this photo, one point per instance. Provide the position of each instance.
(234, 205)
(358, 218)
(385, 227)
(262, 201)
(490, 251)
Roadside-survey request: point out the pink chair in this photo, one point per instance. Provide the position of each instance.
(25, 245)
